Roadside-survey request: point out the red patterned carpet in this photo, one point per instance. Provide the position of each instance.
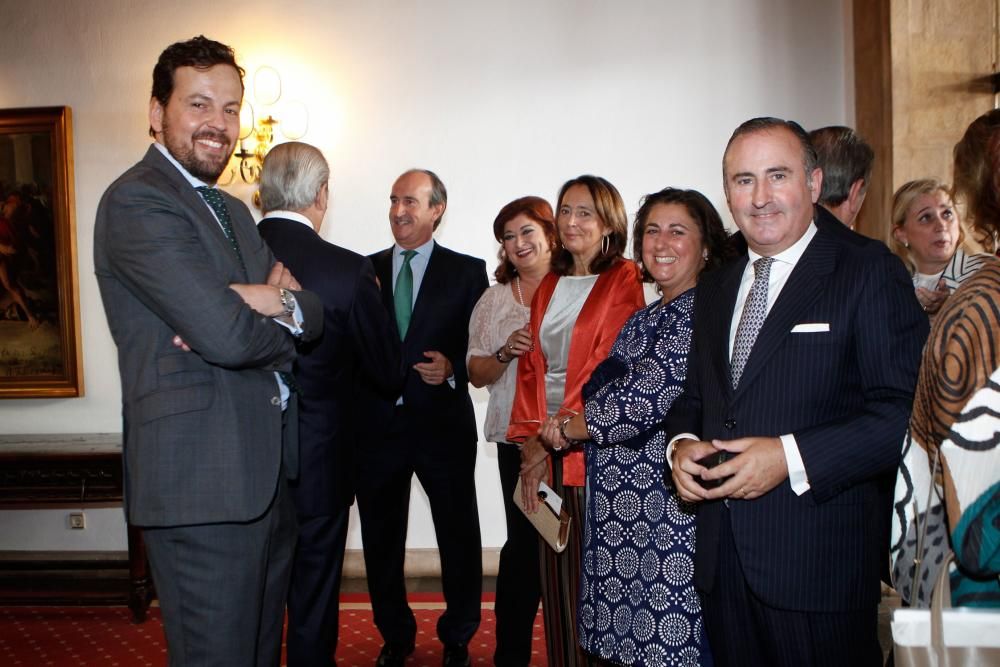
(85, 636)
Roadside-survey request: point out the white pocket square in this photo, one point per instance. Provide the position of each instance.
(811, 327)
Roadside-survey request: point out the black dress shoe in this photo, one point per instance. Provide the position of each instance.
(456, 655)
(393, 655)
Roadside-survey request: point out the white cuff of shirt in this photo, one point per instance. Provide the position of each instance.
(673, 441)
(796, 468)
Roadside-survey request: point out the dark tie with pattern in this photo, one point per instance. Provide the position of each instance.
(214, 199)
(402, 297)
(754, 312)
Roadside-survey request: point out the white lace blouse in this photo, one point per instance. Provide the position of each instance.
(493, 319)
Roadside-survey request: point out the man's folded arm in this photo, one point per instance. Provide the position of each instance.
(147, 242)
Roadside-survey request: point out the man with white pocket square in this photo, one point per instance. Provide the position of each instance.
(800, 384)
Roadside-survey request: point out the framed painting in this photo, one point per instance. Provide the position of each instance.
(40, 353)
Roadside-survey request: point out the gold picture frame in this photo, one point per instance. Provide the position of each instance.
(40, 355)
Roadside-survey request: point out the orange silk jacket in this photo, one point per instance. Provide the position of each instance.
(616, 295)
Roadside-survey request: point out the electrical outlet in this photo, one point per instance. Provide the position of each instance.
(77, 521)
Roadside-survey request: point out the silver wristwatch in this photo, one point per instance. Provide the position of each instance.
(287, 302)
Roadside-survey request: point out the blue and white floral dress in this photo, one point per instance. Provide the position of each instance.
(638, 604)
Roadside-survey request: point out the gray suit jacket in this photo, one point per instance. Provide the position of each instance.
(203, 428)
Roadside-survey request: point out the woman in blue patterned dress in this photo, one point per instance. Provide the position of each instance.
(638, 605)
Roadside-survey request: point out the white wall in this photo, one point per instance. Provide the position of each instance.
(501, 99)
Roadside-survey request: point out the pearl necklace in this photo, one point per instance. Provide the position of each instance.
(517, 284)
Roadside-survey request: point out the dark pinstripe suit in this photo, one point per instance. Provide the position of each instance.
(844, 394)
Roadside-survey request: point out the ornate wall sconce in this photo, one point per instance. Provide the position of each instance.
(257, 136)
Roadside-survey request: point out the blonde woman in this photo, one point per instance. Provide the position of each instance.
(928, 235)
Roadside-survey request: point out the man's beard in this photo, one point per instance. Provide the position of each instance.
(205, 170)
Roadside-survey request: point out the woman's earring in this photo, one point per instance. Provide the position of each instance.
(906, 244)
(605, 244)
(704, 255)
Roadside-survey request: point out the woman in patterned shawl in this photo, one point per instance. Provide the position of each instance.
(638, 605)
(956, 411)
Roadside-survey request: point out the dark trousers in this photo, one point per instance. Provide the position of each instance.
(446, 471)
(314, 592)
(518, 582)
(744, 631)
(222, 586)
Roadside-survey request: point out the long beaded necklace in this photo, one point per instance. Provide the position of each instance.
(520, 296)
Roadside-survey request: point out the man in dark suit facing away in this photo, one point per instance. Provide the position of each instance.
(204, 318)
(802, 370)
(428, 430)
(846, 160)
(357, 339)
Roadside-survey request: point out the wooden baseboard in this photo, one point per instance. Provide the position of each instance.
(64, 577)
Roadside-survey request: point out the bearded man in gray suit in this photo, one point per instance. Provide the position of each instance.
(205, 323)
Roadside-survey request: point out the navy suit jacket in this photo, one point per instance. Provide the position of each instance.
(449, 291)
(357, 340)
(845, 394)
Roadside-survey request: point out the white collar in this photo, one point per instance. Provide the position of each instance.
(792, 254)
(423, 250)
(290, 215)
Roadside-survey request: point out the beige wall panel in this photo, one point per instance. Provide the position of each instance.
(939, 50)
(921, 69)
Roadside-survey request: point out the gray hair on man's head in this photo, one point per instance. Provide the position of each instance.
(292, 176)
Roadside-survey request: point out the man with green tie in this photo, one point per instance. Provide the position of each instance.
(429, 430)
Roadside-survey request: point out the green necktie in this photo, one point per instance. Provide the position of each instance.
(402, 297)
(214, 199)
